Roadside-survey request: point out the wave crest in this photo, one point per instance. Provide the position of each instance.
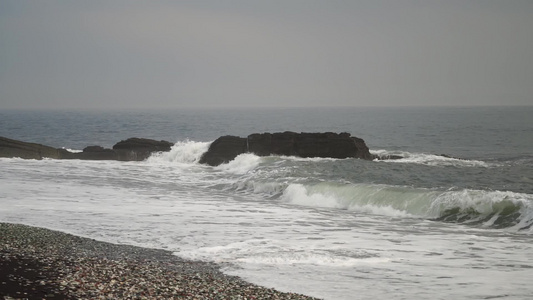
(182, 152)
(242, 164)
(494, 209)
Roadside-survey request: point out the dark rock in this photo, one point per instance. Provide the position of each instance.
(260, 143)
(94, 149)
(131, 149)
(362, 149)
(224, 149)
(90, 153)
(324, 145)
(283, 143)
(140, 143)
(288, 143)
(97, 153)
(14, 148)
(136, 149)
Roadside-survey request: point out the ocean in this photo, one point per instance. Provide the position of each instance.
(425, 226)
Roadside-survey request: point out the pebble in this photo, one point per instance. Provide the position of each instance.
(71, 267)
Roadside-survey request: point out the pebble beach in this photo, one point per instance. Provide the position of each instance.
(37, 263)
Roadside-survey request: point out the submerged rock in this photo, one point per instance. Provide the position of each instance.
(328, 144)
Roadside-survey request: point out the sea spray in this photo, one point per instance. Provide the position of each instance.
(182, 152)
(242, 164)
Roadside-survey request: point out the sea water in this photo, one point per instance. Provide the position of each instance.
(425, 226)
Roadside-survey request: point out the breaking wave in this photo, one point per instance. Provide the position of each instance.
(300, 181)
(493, 209)
(242, 164)
(182, 152)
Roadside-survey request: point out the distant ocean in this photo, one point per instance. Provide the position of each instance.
(425, 226)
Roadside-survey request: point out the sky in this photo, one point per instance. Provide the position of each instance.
(291, 53)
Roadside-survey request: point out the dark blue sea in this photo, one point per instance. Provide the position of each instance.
(453, 218)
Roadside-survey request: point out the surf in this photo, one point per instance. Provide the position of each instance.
(302, 182)
(427, 159)
(488, 209)
(186, 151)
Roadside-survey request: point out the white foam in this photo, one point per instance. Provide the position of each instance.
(182, 152)
(306, 258)
(381, 210)
(428, 159)
(313, 159)
(405, 202)
(383, 152)
(274, 252)
(242, 164)
(269, 188)
(298, 194)
(482, 202)
(72, 150)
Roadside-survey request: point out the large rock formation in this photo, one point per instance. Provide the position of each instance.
(222, 150)
(133, 149)
(14, 148)
(329, 144)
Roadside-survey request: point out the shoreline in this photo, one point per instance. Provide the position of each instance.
(38, 263)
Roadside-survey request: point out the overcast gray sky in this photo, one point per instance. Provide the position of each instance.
(159, 54)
